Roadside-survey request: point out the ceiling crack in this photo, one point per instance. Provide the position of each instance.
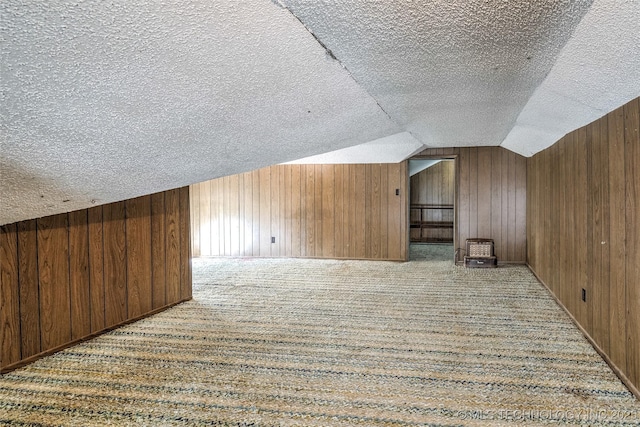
(330, 54)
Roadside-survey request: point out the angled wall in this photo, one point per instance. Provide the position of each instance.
(317, 211)
(68, 277)
(583, 215)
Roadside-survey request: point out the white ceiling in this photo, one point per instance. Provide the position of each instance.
(103, 101)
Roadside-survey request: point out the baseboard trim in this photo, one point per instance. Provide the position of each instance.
(51, 351)
(632, 388)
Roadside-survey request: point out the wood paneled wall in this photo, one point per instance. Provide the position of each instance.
(68, 277)
(434, 185)
(319, 211)
(583, 233)
(491, 198)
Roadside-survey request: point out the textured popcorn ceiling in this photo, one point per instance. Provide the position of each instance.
(103, 101)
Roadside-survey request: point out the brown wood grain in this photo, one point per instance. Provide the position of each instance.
(384, 211)
(317, 215)
(185, 245)
(138, 241)
(462, 206)
(207, 214)
(10, 345)
(328, 216)
(159, 249)
(172, 241)
(520, 243)
(632, 178)
(65, 277)
(395, 217)
(404, 210)
(115, 263)
(359, 225)
(503, 244)
(265, 212)
(53, 271)
(583, 196)
(491, 198)
(296, 214)
(284, 227)
(617, 232)
(484, 192)
(79, 274)
(29, 292)
(96, 269)
(194, 210)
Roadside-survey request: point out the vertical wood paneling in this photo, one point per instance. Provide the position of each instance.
(158, 249)
(520, 183)
(172, 228)
(296, 214)
(256, 203)
(68, 276)
(360, 213)
(10, 349)
(496, 205)
(29, 292)
(139, 268)
(597, 234)
(394, 204)
(265, 212)
(491, 199)
(462, 227)
(583, 193)
(115, 263)
(473, 192)
(310, 210)
(403, 200)
(328, 217)
(79, 274)
(216, 225)
(195, 217)
(248, 214)
(185, 245)
(228, 221)
(208, 216)
(484, 192)
(317, 216)
(96, 269)
(285, 219)
(580, 220)
(53, 270)
(234, 208)
(632, 176)
(330, 211)
(384, 211)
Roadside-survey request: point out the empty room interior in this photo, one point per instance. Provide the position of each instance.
(286, 212)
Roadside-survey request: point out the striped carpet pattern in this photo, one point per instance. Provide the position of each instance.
(289, 342)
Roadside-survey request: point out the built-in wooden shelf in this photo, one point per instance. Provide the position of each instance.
(423, 222)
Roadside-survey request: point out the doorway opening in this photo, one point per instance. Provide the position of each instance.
(432, 188)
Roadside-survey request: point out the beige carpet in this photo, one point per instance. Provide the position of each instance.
(324, 343)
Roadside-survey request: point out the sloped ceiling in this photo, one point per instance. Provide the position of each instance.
(104, 101)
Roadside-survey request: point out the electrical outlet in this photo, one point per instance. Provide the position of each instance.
(584, 295)
(273, 239)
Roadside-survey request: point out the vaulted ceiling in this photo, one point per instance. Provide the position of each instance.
(104, 101)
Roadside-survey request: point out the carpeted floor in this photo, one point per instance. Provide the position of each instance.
(331, 343)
